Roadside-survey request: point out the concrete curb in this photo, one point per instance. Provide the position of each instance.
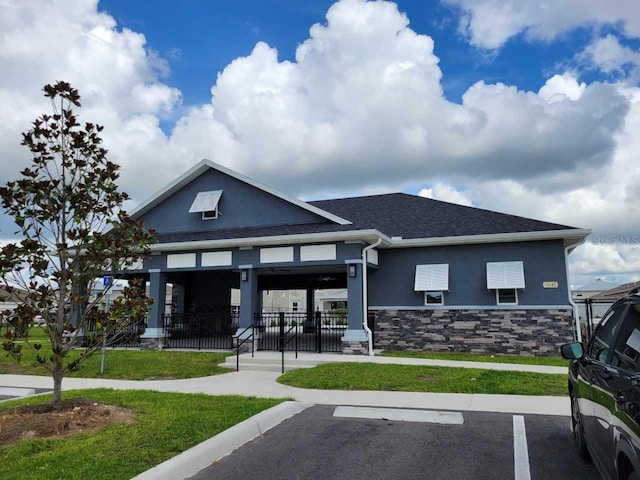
(17, 391)
(195, 459)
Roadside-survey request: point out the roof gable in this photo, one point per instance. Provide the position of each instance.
(243, 202)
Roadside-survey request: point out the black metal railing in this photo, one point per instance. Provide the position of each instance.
(126, 335)
(242, 338)
(318, 332)
(208, 329)
(590, 312)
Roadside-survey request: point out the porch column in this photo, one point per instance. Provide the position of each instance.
(310, 305)
(249, 299)
(178, 295)
(355, 338)
(157, 291)
(79, 291)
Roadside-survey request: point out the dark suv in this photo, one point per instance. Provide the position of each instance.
(604, 385)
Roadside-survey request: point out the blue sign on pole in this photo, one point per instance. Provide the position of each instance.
(106, 281)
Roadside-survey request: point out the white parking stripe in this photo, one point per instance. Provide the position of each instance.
(520, 449)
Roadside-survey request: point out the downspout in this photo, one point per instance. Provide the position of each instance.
(576, 317)
(365, 306)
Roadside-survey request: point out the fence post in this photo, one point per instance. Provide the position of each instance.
(319, 330)
(281, 325)
(589, 309)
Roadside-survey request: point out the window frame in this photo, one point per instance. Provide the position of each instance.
(426, 295)
(498, 302)
(209, 217)
(605, 319)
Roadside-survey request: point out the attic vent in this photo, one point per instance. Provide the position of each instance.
(207, 204)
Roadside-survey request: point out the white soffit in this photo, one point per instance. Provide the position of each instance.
(181, 260)
(276, 255)
(505, 275)
(217, 259)
(206, 201)
(372, 256)
(434, 277)
(311, 253)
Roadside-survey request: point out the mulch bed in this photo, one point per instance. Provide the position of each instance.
(74, 416)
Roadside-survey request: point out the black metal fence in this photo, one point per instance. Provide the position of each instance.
(590, 312)
(321, 332)
(208, 329)
(126, 335)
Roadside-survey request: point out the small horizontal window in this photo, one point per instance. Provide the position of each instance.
(507, 296)
(434, 297)
(210, 214)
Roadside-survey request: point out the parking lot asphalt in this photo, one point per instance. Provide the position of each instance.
(316, 445)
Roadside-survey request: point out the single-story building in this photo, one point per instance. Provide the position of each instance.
(421, 273)
(590, 289)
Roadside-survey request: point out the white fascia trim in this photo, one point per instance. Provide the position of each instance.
(371, 236)
(205, 164)
(470, 307)
(491, 238)
(273, 240)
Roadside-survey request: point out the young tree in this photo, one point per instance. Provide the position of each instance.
(69, 214)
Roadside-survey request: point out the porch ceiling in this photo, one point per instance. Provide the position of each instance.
(320, 277)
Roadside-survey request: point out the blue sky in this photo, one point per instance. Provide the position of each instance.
(200, 38)
(529, 108)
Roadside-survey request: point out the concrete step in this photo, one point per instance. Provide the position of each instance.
(264, 367)
(273, 360)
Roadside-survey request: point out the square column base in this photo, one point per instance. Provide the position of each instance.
(355, 348)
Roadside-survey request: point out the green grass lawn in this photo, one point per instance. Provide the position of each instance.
(167, 424)
(129, 364)
(474, 357)
(411, 378)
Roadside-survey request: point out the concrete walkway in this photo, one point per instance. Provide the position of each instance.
(263, 384)
(311, 359)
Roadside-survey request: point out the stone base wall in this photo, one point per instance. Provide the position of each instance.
(531, 332)
(151, 344)
(355, 348)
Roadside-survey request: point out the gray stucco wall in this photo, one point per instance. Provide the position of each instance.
(241, 205)
(393, 283)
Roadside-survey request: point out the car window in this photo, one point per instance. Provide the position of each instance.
(605, 334)
(626, 351)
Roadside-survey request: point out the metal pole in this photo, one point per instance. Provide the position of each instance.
(104, 338)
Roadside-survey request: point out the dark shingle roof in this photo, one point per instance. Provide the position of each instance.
(395, 215)
(410, 216)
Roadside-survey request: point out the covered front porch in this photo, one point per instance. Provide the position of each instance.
(209, 309)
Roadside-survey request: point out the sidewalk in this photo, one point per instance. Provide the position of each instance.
(263, 384)
(309, 358)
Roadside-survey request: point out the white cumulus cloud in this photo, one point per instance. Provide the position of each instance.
(491, 23)
(360, 109)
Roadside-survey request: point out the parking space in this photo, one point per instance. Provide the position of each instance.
(315, 444)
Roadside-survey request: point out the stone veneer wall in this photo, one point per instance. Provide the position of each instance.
(355, 348)
(533, 332)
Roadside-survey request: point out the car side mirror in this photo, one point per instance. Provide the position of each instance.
(572, 351)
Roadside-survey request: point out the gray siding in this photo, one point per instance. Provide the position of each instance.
(241, 205)
(393, 283)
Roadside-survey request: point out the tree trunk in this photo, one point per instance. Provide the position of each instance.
(58, 375)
